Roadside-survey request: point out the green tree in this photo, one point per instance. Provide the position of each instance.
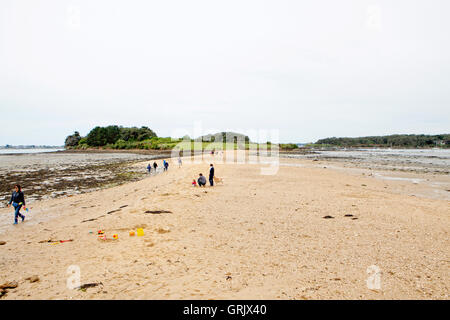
(101, 136)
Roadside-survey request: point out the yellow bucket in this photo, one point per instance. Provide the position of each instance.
(140, 232)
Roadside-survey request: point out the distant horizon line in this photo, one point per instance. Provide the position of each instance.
(30, 146)
(45, 146)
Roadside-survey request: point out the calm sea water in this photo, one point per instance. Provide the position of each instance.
(34, 150)
(424, 159)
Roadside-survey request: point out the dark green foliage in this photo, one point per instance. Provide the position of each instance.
(288, 146)
(110, 135)
(136, 134)
(397, 140)
(101, 136)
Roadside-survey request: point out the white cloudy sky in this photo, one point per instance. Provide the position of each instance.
(310, 69)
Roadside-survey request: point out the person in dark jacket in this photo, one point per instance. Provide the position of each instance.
(155, 165)
(17, 200)
(211, 175)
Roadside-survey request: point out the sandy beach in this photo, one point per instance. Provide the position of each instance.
(314, 230)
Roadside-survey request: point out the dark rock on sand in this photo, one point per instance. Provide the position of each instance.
(158, 211)
(2, 243)
(328, 217)
(9, 285)
(89, 285)
(110, 212)
(33, 279)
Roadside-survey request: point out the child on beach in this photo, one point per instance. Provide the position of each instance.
(17, 200)
(155, 165)
(149, 168)
(194, 183)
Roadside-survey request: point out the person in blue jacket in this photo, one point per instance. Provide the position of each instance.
(17, 200)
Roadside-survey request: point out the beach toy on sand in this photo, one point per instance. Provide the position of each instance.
(115, 236)
(140, 232)
(132, 233)
(100, 232)
(21, 203)
(60, 241)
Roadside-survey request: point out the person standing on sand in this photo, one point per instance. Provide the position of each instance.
(166, 165)
(155, 165)
(149, 168)
(17, 200)
(211, 175)
(179, 162)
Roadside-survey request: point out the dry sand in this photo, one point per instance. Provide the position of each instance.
(252, 237)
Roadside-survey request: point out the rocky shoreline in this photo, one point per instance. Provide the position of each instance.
(66, 176)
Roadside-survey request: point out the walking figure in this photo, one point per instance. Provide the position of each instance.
(17, 200)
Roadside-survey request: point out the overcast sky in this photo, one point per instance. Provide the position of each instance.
(310, 69)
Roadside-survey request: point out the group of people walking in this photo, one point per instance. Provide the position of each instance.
(155, 166)
(18, 199)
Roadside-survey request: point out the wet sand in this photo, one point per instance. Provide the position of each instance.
(436, 161)
(312, 231)
(52, 175)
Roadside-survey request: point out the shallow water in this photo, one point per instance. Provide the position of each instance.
(419, 160)
(33, 150)
(57, 160)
